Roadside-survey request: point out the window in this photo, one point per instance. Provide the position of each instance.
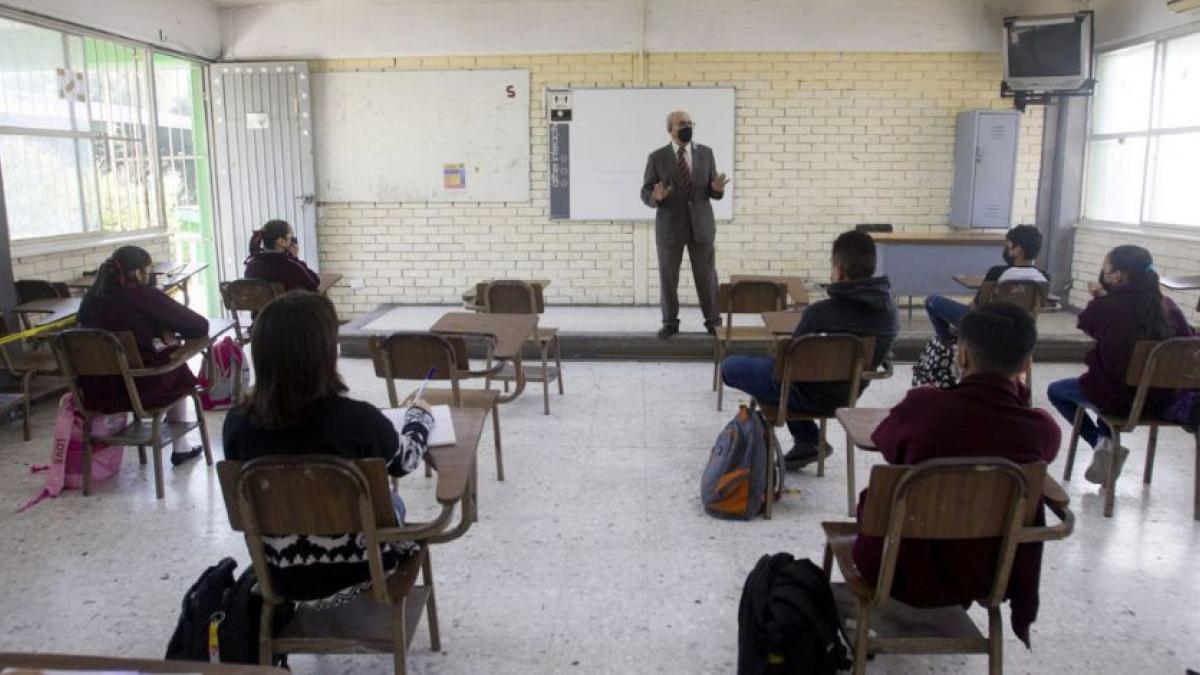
(1144, 143)
(74, 115)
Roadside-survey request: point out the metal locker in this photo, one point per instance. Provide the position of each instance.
(985, 168)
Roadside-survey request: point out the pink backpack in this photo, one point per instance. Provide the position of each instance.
(227, 359)
(65, 469)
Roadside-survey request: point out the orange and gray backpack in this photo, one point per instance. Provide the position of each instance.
(734, 484)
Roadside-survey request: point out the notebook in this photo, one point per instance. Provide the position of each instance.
(443, 424)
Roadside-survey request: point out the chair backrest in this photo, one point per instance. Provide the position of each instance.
(249, 295)
(954, 498)
(1028, 295)
(752, 297)
(93, 352)
(822, 357)
(411, 355)
(316, 495)
(29, 290)
(1170, 364)
(510, 296)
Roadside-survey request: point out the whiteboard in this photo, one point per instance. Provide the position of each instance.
(424, 136)
(613, 131)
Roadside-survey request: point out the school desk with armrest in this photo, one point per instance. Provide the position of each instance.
(743, 297)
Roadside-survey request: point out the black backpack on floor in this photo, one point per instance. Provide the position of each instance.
(788, 621)
(235, 608)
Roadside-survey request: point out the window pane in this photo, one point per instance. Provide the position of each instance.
(1181, 83)
(1174, 166)
(1123, 86)
(34, 78)
(1114, 179)
(41, 186)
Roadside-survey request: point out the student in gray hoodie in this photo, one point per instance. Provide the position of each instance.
(860, 304)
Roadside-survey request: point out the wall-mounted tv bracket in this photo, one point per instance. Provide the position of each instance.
(1024, 98)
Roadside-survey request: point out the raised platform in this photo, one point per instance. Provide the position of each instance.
(616, 332)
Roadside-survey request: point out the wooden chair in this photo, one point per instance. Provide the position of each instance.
(1028, 295)
(28, 366)
(811, 359)
(246, 295)
(326, 495)
(519, 297)
(1169, 364)
(942, 499)
(743, 297)
(410, 356)
(92, 352)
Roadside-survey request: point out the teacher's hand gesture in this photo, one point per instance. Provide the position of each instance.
(718, 184)
(660, 192)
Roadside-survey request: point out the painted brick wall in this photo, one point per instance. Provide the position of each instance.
(1172, 256)
(69, 265)
(824, 141)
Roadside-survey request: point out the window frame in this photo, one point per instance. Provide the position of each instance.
(1152, 136)
(84, 238)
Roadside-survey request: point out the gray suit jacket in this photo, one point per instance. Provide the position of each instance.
(671, 222)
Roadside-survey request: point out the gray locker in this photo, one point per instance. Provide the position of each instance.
(985, 168)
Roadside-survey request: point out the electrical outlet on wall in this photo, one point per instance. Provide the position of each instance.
(356, 284)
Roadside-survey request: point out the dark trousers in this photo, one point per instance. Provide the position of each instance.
(945, 314)
(755, 375)
(1066, 397)
(704, 271)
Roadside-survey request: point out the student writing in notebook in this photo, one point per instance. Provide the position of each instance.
(274, 256)
(298, 406)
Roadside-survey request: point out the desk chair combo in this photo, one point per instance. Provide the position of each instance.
(519, 297)
(743, 297)
(246, 295)
(941, 499)
(28, 366)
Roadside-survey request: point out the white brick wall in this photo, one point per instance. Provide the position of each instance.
(67, 266)
(1172, 256)
(824, 141)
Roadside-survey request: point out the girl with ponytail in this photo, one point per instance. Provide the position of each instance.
(124, 299)
(1127, 307)
(273, 251)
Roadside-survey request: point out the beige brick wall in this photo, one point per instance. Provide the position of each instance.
(69, 265)
(824, 141)
(1172, 256)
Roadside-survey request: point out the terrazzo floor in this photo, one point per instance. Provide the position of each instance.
(594, 555)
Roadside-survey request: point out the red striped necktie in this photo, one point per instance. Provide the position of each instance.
(684, 171)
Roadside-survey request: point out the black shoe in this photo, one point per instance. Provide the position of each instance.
(178, 458)
(712, 330)
(667, 331)
(803, 454)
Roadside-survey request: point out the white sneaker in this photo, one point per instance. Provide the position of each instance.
(1097, 471)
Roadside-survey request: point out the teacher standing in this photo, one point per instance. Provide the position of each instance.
(680, 180)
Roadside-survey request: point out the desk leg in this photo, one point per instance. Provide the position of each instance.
(849, 476)
(520, 385)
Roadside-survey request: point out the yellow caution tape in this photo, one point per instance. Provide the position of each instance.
(38, 330)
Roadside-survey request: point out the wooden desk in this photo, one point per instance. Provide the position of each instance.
(782, 323)
(925, 264)
(971, 281)
(508, 333)
(179, 279)
(163, 269)
(473, 297)
(328, 281)
(56, 308)
(860, 424)
(72, 662)
(796, 286)
(1185, 283)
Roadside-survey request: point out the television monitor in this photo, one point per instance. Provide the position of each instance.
(1046, 54)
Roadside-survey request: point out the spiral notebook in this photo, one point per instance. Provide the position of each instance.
(443, 424)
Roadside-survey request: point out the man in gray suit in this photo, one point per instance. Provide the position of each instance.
(680, 180)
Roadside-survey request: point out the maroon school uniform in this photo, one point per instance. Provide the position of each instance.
(1109, 319)
(147, 313)
(984, 416)
(284, 268)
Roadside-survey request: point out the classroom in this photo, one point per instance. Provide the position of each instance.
(599, 336)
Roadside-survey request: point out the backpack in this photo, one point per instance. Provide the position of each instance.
(227, 360)
(788, 621)
(65, 469)
(734, 483)
(234, 608)
(936, 366)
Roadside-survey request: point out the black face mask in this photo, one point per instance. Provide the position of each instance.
(685, 135)
(1008, 259)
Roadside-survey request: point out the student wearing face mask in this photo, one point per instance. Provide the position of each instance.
(273, 257)
(1022, 244)
(859, 303)
(1127, 307)
(680, 180)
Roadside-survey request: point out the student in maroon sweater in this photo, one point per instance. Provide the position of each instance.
(1128, 307)
(123, 299)
(273, 251)
(985, 415)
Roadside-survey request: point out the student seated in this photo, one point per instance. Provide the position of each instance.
(1022, 245)
(273, 251)
(985, 415)
(860, 304)
(297, 406)
(122, 299)
(1127, 307)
